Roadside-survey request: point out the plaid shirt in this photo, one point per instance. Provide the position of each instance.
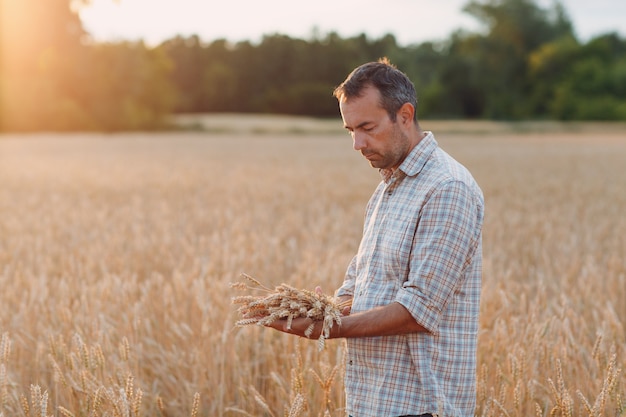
(421, 247)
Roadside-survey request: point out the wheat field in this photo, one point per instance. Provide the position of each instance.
(117, 253)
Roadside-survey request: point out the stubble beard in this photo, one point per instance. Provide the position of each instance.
(396, 153)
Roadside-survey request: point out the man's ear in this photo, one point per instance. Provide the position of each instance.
(406, 113)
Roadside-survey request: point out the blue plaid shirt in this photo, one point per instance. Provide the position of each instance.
(421, 247)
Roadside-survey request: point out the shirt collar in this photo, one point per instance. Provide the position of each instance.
(415, 160)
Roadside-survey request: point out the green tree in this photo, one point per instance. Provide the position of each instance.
(279, 75)
(190, 62)
(548, 66)
(496, 63)
(591, 82)
(129, 89)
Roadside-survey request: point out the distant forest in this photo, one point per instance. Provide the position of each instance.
(525, 63)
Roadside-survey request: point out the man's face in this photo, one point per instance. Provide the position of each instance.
(382, 142)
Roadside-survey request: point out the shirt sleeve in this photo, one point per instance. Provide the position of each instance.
(347, 289)
(446, 237)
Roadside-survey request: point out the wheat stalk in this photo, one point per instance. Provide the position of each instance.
(287, 302)
(196, 405)
(297, 406)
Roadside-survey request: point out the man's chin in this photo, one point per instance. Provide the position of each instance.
(374, 162)
(378, 164)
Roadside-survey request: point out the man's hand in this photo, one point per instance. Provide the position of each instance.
(298, 327)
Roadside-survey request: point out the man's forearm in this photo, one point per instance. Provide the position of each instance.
(392, 319)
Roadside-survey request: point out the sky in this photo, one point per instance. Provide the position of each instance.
(410, 21)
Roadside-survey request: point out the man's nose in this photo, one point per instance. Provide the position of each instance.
(359, 141)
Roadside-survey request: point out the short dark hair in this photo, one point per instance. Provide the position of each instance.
(394, 86)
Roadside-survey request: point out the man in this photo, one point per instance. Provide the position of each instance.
(415, 280)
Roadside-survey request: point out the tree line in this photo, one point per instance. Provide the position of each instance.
(525, 63)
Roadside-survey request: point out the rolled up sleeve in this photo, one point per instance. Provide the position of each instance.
(444, 243)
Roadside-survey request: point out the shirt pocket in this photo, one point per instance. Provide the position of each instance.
(396, 241)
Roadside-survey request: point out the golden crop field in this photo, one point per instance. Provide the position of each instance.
(117, 251)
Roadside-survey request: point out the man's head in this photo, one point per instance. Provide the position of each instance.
(394, 86)
(377, 104)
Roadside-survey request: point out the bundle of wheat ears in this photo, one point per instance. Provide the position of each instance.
(286, 302)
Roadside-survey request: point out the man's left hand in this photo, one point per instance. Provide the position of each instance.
(298, 327)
